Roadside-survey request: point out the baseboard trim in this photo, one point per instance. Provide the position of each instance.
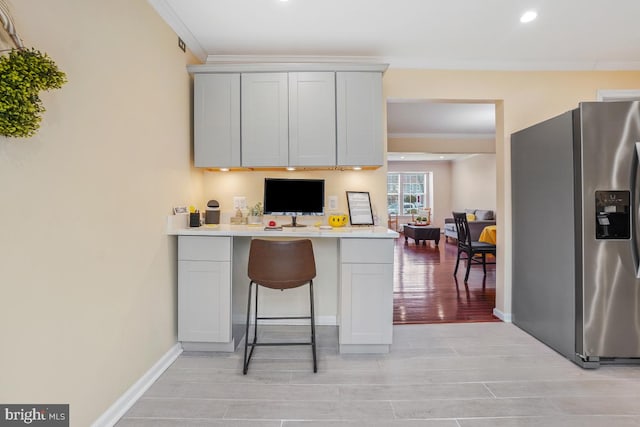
(505, 317)
(112, 415)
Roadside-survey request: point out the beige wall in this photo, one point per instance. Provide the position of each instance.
(86, 272)
(473, 182)
(87, 275)
(222, 186)
(522, 99)
(465, 183)
(440, 145)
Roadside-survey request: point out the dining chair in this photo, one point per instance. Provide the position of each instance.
(470, 248)
(392, 222)
(279, 264)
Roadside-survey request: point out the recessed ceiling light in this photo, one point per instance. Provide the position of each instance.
(528, 16)
(442, 157)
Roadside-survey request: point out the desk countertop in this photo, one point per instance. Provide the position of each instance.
(309, 231)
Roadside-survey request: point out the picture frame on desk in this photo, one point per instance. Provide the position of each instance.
(180, 210)
(359, 203)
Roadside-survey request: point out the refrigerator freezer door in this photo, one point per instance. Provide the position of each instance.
(544, 237)
(608, 306)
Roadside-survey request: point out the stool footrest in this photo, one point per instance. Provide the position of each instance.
(283, 318)
(278, 343)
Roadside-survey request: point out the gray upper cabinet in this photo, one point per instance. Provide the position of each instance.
(312, 119)
(216, 123)
(277, 115)
(288, 119)
(265, 119)
(359, 118)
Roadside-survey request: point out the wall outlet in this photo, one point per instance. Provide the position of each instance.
(239, 202)
(333, 203)
(182, 45)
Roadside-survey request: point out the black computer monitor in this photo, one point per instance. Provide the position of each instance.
(293, 197)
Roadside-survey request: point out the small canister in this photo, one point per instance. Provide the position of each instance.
(212, 214)
(194, 219)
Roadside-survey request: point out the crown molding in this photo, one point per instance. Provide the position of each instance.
(618, 94)
(167, 13)
(245, 64)
(479, 65)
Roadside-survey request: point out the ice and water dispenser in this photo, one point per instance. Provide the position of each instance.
(613, 215)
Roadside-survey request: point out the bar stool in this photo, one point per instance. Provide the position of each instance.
(279, 264)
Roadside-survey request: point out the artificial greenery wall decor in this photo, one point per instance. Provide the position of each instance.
(23, 74)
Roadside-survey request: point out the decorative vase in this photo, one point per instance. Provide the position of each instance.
(254, 219)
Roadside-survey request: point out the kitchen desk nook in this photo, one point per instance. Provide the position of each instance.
(354, 284)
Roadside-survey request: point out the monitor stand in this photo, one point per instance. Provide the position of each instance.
(294, 223)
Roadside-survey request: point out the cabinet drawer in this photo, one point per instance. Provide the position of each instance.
(366, 251)
(204, 248)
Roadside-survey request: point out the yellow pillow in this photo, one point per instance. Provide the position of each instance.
(471, 217)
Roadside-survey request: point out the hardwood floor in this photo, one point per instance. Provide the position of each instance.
(425, 290)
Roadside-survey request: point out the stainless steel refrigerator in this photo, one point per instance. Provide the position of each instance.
(576, 235)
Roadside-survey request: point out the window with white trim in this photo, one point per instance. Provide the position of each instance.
(408, 192)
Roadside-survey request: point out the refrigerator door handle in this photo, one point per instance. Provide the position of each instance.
(635, 213)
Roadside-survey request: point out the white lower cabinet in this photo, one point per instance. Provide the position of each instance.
(204, 290)
(213, 286)
(367, 312)
(203, 285)
(366, 294)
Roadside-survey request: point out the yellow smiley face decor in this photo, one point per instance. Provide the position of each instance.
(338, 220)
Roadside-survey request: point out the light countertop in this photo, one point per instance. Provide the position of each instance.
(259, 231)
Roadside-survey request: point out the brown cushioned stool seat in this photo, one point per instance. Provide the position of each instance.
(279, 264)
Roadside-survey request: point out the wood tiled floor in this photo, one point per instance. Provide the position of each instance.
(425, 290)
(487, 374)
(438, 375)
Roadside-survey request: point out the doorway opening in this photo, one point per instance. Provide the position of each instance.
(454, 143)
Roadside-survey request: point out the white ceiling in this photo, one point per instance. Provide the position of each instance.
(430, 34)
(424, 119)
(476, 34)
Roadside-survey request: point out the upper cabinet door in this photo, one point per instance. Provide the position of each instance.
(216, 124)
(265, 119)
(312, 119)
(359, 118)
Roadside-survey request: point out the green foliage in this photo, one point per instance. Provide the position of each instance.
(23, 74)
(256, 210)
(410, 198)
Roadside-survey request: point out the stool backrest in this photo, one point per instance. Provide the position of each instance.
(281, 264)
